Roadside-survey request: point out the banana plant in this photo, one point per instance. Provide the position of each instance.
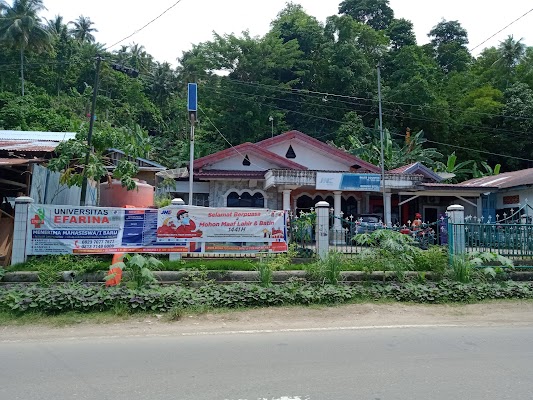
(456, 172)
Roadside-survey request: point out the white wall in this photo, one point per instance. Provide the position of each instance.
(525, 194)
(235, 164)
(308, 158)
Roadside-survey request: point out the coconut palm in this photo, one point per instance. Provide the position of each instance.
(82, 30)
(21, 28)
(138, 58)
(511, 51)
(55, 26)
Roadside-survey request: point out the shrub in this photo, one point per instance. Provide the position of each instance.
(175, 299)
(434, 259)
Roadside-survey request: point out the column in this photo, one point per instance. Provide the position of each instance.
(286, 199)
(366, 204)
(456, 230)
(322, 229)
(387, 209)
(18, 253)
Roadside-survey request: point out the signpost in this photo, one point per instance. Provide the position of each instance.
(192, 108)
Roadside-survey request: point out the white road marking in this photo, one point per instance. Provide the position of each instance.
(236, 332)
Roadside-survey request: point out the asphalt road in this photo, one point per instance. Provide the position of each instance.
(367, 363)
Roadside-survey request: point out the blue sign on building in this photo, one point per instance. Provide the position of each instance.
(347, 181)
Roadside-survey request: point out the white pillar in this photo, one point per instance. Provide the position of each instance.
(286, 200)
(387, 209)
(322, 229)
(456, 233)
(18, 254)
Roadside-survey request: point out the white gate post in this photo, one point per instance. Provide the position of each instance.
(18, 254)
(322, 229)
(456, 215)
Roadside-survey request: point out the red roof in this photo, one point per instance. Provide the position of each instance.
(242, 150)
(321, 146)
(401, 170)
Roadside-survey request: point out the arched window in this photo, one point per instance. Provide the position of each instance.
(246, 200)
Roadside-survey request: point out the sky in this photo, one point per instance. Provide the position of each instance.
(193, 21)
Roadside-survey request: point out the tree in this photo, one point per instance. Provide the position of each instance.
(56, 27)
(401, 33)
(446, 32)
(449, 40)
(375, 13)
(21, 28)
(82, 30)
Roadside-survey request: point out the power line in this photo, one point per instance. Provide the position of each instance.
(501, 30)
(518, 134)
(224, 137)
(144, 26)
(395, 134)
(326, 95)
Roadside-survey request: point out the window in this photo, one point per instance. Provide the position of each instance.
(246, 161)
(245, 200)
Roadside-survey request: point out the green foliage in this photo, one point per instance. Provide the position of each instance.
(138, 270)
(434, 260)
(392, 250)
(23, 299)
(329, 269)
(466, 267)
(274, 262)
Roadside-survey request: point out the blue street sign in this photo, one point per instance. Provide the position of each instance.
(192, 97)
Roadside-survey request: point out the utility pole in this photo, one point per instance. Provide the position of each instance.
(382, 155)
(90, 135)
(271, 119)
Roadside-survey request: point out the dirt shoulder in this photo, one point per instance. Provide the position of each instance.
(498, 313)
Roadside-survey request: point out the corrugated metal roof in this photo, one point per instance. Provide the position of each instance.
(503, 180)
(18, 161)
(28, 145)
(36, 135)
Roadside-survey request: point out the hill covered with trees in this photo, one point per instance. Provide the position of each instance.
(318, 78)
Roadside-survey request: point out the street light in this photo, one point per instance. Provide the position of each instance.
(271, 119)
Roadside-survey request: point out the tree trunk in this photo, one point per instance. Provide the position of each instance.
(22, 68)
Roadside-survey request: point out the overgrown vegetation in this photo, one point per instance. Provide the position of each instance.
(75, 297)
(478, 103)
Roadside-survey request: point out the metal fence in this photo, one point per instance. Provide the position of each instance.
(343, 233)
(510, 236)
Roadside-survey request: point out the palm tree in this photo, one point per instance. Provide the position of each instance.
(511, 51)
(138, 58)
(55, 26)
(21, 28)
(82, 30)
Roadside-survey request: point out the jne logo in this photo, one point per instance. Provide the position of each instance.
(166, 212)
(329, 181)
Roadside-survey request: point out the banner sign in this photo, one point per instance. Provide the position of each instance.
(106, 230)
(347, 181)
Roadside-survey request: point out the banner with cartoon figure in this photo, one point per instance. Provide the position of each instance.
(223, 228)
(107, 230)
